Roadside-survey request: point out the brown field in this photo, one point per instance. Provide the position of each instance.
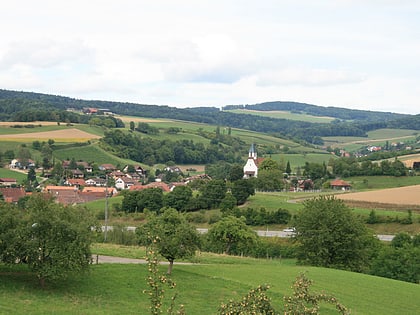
(57, 135)
(127, 119)
(43, 123)
(401, 196)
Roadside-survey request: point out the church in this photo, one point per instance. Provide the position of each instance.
(251, 166)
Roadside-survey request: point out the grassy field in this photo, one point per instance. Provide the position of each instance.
(118, 289)
(375, 137)
(91, 153)
(6, 173)
(299, 160)
(284, 115)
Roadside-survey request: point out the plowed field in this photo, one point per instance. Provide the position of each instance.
(409, 195)
(66, 135)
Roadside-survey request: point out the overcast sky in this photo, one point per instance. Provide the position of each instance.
(361, 54)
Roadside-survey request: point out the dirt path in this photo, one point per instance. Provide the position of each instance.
(102, 259)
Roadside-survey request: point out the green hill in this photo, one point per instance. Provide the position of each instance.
(117, 288)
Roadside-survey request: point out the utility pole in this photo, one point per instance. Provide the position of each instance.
(106, 208)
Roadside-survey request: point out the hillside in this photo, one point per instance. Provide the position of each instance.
(356, 122)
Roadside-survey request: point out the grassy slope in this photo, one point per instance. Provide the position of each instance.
(117, 289)
(375, 137)
(284, 115)
(12, 174)
(90, 153)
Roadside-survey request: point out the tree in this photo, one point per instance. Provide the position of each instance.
(236, 172)
(242, 189)
(53, 240)
(132, 125)
(179, 198)
(175, 238)
(212, 193)
(288, 168)
(329, 235)
(231, 232)
(400, 260)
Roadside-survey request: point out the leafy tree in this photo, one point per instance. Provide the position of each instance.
(269, 180)
(400, 260)
(228, 203)
(175, 238)
(242, 189)
(236, 172)
(132, 125)
(53, 240)
(329, 235)
(269, 165)
(231, 232)
(179, 198)
(212, 193)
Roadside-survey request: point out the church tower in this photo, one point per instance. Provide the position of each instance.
(251, 166)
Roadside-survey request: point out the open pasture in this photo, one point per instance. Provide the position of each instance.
(375, 137)
(284, 115)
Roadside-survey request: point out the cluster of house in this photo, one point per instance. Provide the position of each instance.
(77, 189)
(250, 170)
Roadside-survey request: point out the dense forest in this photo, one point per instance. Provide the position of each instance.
(24, 106)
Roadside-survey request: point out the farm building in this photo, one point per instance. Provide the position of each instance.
(340, 184)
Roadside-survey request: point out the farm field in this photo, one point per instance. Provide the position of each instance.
(67, 135)
(117, 288)
(409, 195)
(284, 115)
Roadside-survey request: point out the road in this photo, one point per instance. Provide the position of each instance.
(267, 233)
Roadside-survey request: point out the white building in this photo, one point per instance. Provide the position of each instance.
(251, 166)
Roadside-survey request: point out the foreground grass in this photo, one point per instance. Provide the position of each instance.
(117, 288)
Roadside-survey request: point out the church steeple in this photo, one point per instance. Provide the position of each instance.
(252, 152)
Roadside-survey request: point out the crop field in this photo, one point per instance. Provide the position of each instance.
(409, 195)
(64, 135)
(284, 115)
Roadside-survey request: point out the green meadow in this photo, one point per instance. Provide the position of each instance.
(375, 137)
(90, 153)
(200, 287)
(6, 173)
(285, 115)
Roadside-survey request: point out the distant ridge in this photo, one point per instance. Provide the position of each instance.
(349, 122)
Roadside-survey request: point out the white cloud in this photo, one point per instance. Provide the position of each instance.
(191, 53)
(308, 77)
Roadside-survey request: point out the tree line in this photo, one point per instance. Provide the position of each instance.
(311, 132)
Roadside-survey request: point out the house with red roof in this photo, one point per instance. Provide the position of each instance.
(7, 182)
(12, 194)
(340, 184)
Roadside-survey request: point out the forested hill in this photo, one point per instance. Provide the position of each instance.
(314, 110)
(28, 106)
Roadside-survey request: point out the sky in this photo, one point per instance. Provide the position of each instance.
(358, 54)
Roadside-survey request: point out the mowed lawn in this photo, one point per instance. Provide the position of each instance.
(118, 288)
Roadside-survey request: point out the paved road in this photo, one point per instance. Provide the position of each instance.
(267, 233)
